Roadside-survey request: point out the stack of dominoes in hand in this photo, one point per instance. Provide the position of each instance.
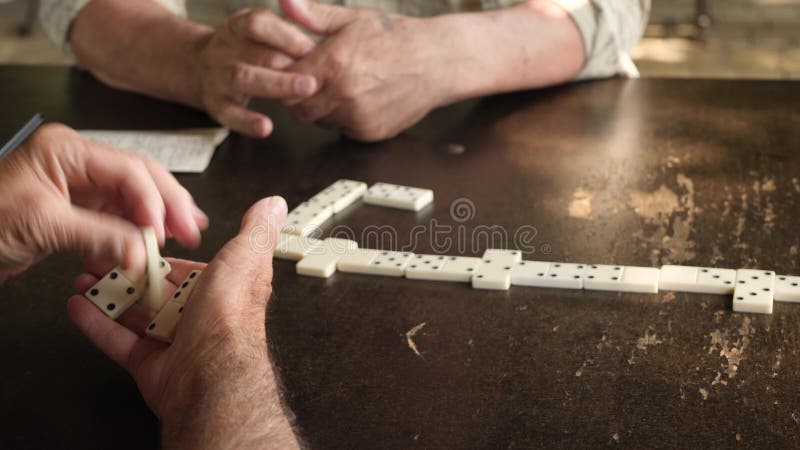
(120, 289)
(753, 290)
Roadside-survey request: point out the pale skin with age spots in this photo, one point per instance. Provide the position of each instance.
(218, 70)
(372, 91)
(355, 80)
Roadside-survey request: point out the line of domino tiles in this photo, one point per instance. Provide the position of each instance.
(753, 290)
(309, 216)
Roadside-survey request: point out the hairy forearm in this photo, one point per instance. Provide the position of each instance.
(531, 45)
(142, 47)
(238, 409)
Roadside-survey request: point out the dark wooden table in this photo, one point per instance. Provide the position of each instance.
(637, 172)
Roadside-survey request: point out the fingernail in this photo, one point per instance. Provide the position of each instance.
(201, 213)
(276, 205)
(304, 85)
(262, 128)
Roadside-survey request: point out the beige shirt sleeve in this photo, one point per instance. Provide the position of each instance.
(610, 29)
(56, 17)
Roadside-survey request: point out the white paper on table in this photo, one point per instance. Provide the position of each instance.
(187, 151)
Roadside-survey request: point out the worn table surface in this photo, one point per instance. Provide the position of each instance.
(641, 172)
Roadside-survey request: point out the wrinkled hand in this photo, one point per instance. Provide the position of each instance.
(62, 192)
(216, 375)
(246, 57)
(378, 74)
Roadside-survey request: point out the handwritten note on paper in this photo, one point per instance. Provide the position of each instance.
(185, 151)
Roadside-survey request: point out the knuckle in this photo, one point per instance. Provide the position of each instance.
(147, 161)
(56, 128)
(274, 60)
(240, 75)
(137, 165)
(338, 60)
(183, 195)
(369, 131)
(349, 90)
(53, 132)
(258, 22)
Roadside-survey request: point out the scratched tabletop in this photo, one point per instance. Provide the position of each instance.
(632, 172)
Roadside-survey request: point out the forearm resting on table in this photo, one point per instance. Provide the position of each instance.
(531, 45)
(140, 46)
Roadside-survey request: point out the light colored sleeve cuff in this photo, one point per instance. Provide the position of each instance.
(56, 17)
(609, 29)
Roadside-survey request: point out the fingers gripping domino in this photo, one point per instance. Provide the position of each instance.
(153, 296)
(120, 288)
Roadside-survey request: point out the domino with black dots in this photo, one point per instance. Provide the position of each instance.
(494, 271)
(114, 294)
(184, 290)
(163, 326)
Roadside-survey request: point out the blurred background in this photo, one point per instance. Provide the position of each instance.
(686, 38)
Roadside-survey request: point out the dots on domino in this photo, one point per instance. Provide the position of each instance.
(613, 277)
(793, 283)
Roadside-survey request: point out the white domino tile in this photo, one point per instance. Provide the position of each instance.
(163, 268)
(755, 291)
(549, 275)
(425, 267)
(141, 281)
(114, 294)
(322, 263)
(163, 325)
(502, 254)
(184, 290)
(700, 280)
(390, 264)
(396, 196)
(357, 261)
(529, 273)
(153, 296)
(678, 278)
(341, 194)
(459, 269)
(307, 218)
(294, 247)
(715, 281)
(375, 262)
(565, 275)
(442, 268)
(494, 271)
(787, 288)
(600, 277)
(640, 279)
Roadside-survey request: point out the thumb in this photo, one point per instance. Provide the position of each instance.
(99, 236)
(316, 17)
(246, 261)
